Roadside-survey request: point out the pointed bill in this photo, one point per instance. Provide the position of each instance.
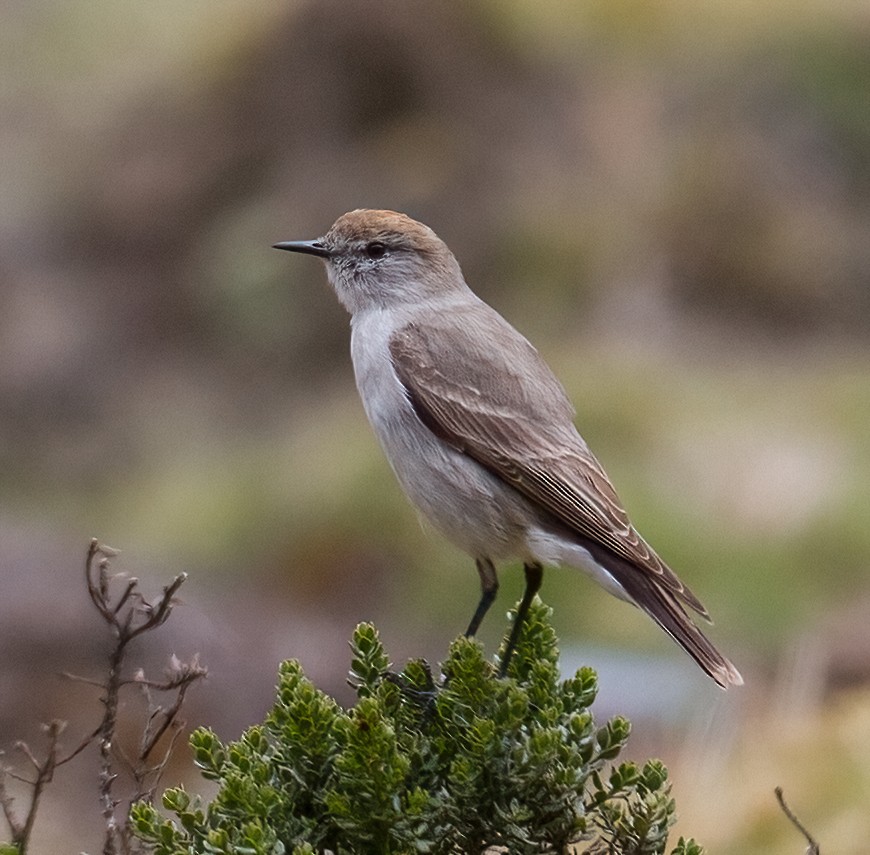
(308, 247)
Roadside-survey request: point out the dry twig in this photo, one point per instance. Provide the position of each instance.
(813, 847)
(128, 616)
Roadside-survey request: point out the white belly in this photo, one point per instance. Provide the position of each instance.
(468, 505)
(472, 508)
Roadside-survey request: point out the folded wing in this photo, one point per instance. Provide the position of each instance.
(499, 403)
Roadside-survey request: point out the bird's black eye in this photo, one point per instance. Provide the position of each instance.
(376, 250)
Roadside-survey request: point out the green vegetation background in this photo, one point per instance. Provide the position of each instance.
(671, 201)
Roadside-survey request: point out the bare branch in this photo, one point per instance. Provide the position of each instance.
(168, 718)
(21, 830)
(148, 777)
(159, 614)
(130, 617)
(20, 778)
(6, 802)
(127, 615)
(79, 748)
(128, 591)
(24, 748)
(77, 678)
(813, 848)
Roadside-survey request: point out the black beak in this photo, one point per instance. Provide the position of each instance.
(309, 247)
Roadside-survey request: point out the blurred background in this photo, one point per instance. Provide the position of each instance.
(671, 201)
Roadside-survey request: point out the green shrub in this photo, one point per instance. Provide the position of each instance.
(455, 765)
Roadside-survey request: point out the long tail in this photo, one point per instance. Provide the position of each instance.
(662, 605)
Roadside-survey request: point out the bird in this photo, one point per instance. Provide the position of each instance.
(481, 434)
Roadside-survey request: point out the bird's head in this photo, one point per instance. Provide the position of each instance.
(379, 259)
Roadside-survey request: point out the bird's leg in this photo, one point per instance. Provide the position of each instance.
(488, 588)
(534, 576)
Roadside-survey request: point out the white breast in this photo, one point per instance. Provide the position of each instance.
(471, 507)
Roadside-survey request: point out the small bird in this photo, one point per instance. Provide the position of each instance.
(480, 433)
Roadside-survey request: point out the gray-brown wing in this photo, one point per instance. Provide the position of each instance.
(503, 407)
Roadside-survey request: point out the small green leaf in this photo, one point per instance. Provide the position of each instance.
(463, 761)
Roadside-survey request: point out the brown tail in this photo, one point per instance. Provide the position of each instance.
(665, 609)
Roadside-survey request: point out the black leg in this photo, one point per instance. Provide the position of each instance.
(489, 588)
(534, 577)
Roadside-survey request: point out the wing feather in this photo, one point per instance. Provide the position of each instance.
(503, 407)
